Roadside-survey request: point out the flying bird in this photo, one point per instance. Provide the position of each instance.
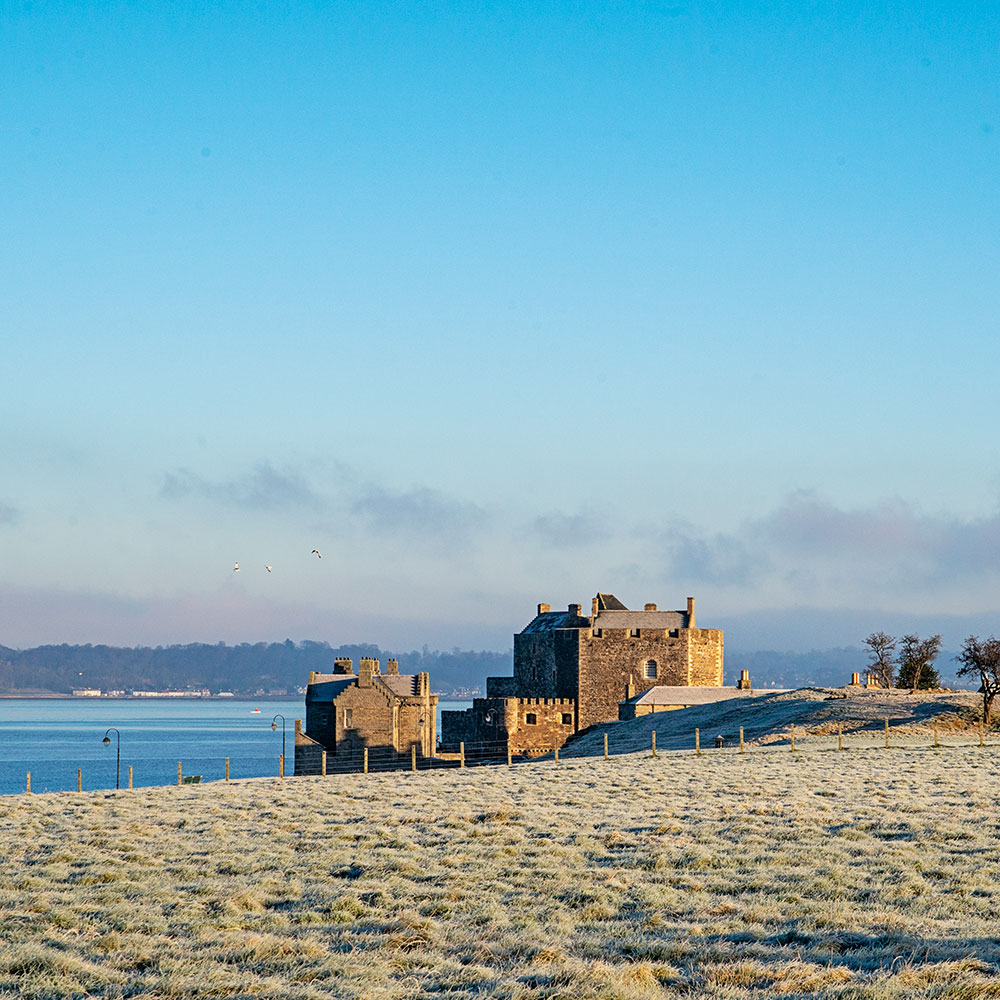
(268, 568)
(318, 554)
(236, 567)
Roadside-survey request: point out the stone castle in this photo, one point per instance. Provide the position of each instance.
(572, 671)
(392, 715)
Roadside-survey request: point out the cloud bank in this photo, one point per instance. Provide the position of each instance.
(809, 551)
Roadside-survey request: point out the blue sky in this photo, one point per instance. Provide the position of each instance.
(497, 304)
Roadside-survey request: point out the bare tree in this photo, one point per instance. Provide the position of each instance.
(916, 662)
(982, 660)
(883, 658)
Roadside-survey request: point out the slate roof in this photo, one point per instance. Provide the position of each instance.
(641, 619)
(611, 613)
(608, 602)
(555, 619)
(329, 687)
(403, 685)
(667, 694)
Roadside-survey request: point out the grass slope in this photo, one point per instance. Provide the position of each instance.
(865, 874)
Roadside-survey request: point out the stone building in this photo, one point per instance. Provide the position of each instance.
(571, 671)
(346, 712)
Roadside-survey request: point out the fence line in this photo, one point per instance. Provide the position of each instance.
(861, 735)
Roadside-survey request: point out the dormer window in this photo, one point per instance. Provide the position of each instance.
(649, 669)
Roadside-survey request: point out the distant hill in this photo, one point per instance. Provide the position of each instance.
(276, 668)
(818, 667)
(283, 667)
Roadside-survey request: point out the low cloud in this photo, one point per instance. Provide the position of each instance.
(263, 488)
(570, 530)
(417, 512)
(9, 514)
(808, 547)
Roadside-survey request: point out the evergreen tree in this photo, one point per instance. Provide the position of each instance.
(916, 662)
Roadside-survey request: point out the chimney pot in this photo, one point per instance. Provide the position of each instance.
(650, 607)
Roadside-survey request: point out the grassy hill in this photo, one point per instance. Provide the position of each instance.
(868, 873)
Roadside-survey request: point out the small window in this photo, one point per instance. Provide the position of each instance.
(324, 719)
(348, 718)
(634, 633)
(567, 719)
(649, 669)
(531, 719)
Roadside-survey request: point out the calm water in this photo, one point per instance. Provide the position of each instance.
(52, 737)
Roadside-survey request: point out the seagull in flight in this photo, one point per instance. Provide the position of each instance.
(317, 553)
(236, 567)
(268, 568)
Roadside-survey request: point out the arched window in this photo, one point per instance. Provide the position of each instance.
(649, 669)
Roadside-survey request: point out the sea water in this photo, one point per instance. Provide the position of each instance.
(53, 737)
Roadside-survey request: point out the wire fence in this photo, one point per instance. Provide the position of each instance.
(846, 735)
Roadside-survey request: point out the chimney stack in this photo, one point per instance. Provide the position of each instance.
(691, 612)
(649, 607)
(574, 610)
(544, 609)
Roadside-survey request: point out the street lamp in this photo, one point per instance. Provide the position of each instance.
(274, 727)
(118, 763)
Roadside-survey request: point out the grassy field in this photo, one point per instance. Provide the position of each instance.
(869, 873)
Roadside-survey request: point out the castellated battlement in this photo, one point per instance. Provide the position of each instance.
(550, 702)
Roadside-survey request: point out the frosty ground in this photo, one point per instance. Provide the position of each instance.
(864, 873)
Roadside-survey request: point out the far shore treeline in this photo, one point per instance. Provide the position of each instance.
(245, 669)
(283, 667)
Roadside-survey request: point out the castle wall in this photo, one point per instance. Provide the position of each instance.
(308, 754)
(553, 722)
(611, 658)
(706, 657)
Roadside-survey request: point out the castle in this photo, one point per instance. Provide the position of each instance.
(392, 715)
(571, 671)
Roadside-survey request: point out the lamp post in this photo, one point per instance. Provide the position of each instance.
(118, 763)
(274, 727)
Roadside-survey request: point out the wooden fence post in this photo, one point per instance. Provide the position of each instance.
(281, 765)
(79, 779)
(654, 742)
(413, 756)
(887, 733)
(130, 776)
(935, 734)
(840, 736)
(605, 746)
(741, 739)
(461, 754)
(227, 769)
(508, 755)
(981, 729)
(556, 751)
(178, 772)
(793, 735)
(322, 763)
(365, 758)
(27, 787)
(697, 742)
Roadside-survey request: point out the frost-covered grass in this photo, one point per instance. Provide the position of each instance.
(864, 874)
